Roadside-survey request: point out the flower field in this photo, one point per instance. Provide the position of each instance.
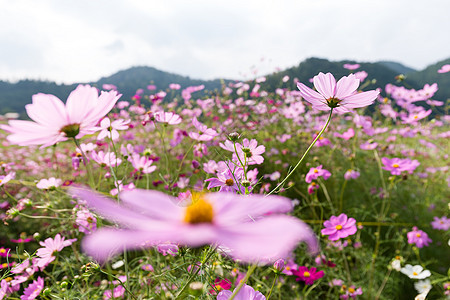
(323, 192)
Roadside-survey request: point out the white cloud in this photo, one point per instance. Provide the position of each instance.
(85, 40)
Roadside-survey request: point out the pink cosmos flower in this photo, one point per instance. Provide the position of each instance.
(167, 117)
(174, 86)
(351, 292)
(5, 178)
(109, 129)
(444, 69)
(441, 223)
(361, 75)
(47, 184)
(351, 66)
(47, 254)
(246, 293)
(106, 158)
(86, 221)
(315, 173)
(346, 135)
(237, 222)
(250, 152)
(33, 290)
(307, 275)
(338, 96)
(418, 237)
(204, 133)
(55, 122)
(351, 174)
(413, 118)
(227, 181)
(142, 163)
(117, 292)
(368, 145)
(397, 165)
(339, 227)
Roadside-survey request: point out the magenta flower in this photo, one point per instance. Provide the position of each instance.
(315, 173)
(246, 293)
(351, 174)
(33, 290)
(47, 254)
(439, 223)
(352, 292)
(338, 96)
(55, 122)
(397, 165)
(307, 275)
(229, 220)
(204, 133)
(339, 227)
(418, 237)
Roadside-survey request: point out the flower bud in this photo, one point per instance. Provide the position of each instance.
(279, 265)
(234, 136)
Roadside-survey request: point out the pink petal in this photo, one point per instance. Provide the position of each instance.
(360, 99)
(325, 84)
(346, 86)
(310, 95)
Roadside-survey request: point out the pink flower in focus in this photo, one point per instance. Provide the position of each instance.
(338, 96)
(351, 66)
(397, 165)
(245, 293)
(250, 151)
(55, 122)
(307, 275)
(33, 290)
(204, 133)
(227, 181)
(47, 254)
(444, 69)
(109, 129)
(106, 158)
(418, 237)
(315, 173)
(339, 227)
(150, 217)
(441, 223)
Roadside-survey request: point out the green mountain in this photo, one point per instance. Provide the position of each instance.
(14, 96)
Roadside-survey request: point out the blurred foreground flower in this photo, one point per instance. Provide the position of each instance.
(55, 121)
(240, 223)
(246, 293)
(338, 96)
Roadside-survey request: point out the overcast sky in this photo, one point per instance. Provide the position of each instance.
(83, 40)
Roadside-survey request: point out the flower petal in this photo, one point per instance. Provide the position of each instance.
(325, 84)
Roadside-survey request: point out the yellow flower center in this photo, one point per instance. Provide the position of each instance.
(416, 117)
(229, 182)
(415, 273)
(395, 165)
(2, 250)
(316, 171)
(351, 290)
(338, 227)
(418, 235)
(0, 181)
(4, 265)
(200, 211)
(306, 274)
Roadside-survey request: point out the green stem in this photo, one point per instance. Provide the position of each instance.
(243, 281)
(191, 278)
(271, 288)
(303, 157)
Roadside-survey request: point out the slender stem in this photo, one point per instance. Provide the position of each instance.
(383, 284)
(341, 199)
(303, 157)
(85, 162)
(212, 249)
(271, 288)
(327, 196)
(243, 281)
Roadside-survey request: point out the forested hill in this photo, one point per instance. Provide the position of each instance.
(14, 96)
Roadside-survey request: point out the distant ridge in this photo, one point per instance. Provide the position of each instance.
(14, 96)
